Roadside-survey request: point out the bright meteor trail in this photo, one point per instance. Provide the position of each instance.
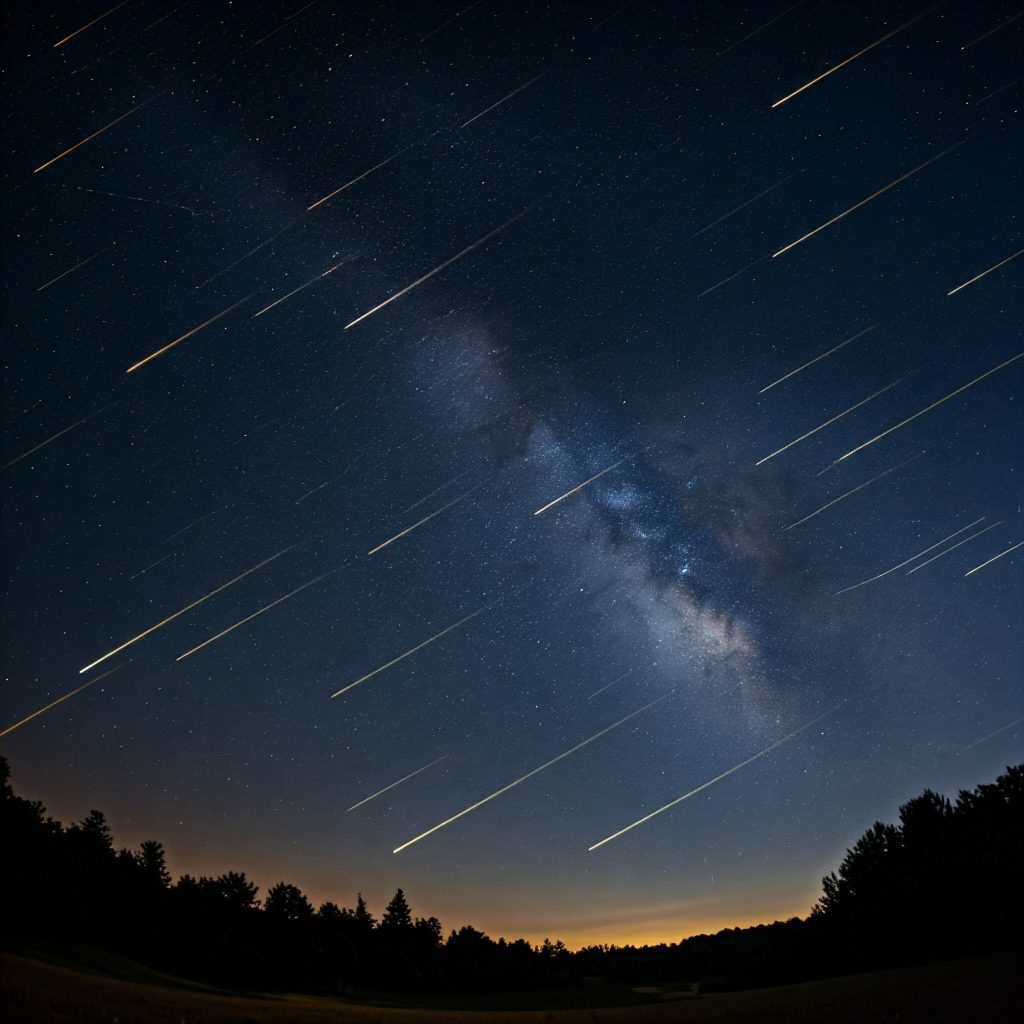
(79, 31)
(1014, 547)
(849, 60)
(579, 487)
(425, 519)
(504, 99)
(437, 270)
(77, 266)
(717, 778)
(410, 652)
(817, 359)
(913, 558)
(529, 775)
(188, 334)
(942, 554)
(180, 612)
(295, 291)
(928, 408)
(53, 437)
(404, 778)
(365, 174)
(612, 683)
(256, 614)
(436, 490)
(1003, 728)
(859, 487)
(89, 138)
(984, 273)
(863, 202)
(742, 206)
(59, 700)
(828, 423)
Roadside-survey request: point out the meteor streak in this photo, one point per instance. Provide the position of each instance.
(180, 612)
(251, 252)
(928, 408)
(978, 277)
(579, 487)
(750, 35)
(89, 138)
(188, 334)
(1003, 728)
(514, 92)
(152, 565)
(985, 35)
(817, 359)
(59, 700)
(256, 614)
(860, 487)
(612, 683)
(320, 487)
(436, 490)
(732, 277)
(410, 652)
(863, 202)
(131, 39)
(77, 266)
(613, 15)
(195, 522)
(404, 778)
(859, 53)
(78, 31)
(283, 25)
(995, 559)
(529, 775)
(913, 558)
(717, 778)
(445, 24)
(437, 270)
(329, 270)
(996, 92)
(743, 206)
(425, 519)
(53, 437)
(941, 554)
(138, 199)
(365, 174)
(828, 423)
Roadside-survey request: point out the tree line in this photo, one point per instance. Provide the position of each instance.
(944, 882)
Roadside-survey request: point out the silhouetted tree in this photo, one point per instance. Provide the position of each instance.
(330, 912)
(233, 888)
(364, 921)
(428, 932)
(397, 916)
(287, 903)
(153, 864)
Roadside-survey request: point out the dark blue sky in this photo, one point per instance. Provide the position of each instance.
(629, 313)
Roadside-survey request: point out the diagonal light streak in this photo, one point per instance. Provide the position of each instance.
(711, 782)
(913, 558)
(528, 775)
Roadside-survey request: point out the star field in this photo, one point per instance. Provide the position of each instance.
(478, 329)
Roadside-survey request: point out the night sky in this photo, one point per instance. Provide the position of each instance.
(605, 192)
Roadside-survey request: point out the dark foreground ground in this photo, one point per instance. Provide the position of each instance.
(984, 989)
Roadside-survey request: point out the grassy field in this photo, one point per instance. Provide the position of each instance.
(985, 989)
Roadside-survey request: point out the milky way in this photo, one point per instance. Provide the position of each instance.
(577, 374)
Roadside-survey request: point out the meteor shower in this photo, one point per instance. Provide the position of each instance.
(512, 510)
